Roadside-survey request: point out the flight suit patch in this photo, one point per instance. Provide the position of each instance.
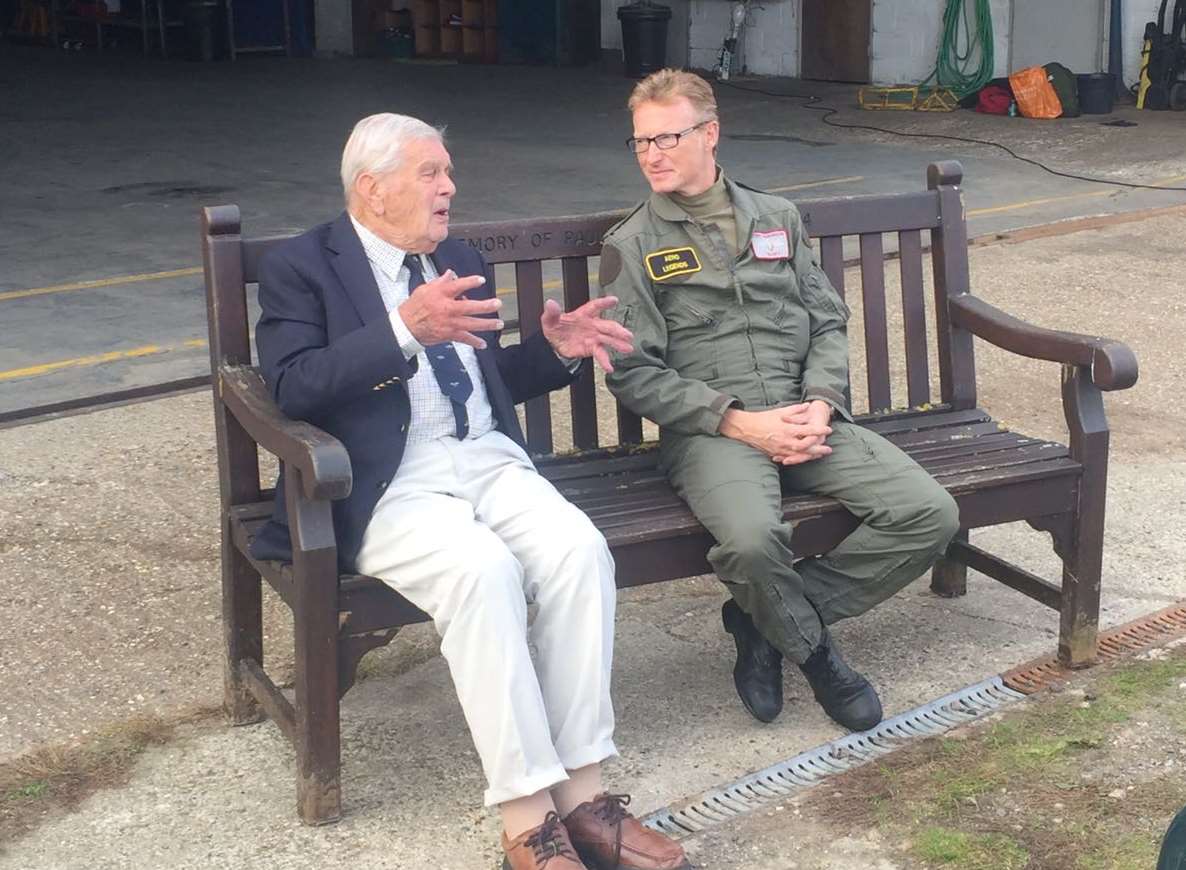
(672, 262)
(772, 245)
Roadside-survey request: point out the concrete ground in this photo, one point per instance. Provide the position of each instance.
(108, 576)
(114, 155)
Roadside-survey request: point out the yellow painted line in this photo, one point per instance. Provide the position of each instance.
(97, 359)
(823, 183)
(1030, 203)
(101, 282)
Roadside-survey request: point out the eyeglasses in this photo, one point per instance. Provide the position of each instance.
(664, 141)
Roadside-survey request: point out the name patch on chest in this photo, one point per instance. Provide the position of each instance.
(674, 261)
(771, 245)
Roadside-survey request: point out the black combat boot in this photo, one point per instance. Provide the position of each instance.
(844, 694)
(758, 672)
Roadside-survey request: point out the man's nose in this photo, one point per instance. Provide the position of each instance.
(449, 187)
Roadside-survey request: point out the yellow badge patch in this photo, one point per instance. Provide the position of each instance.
(672, 262)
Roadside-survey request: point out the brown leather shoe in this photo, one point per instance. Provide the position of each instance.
(546, 846)
(607, 837)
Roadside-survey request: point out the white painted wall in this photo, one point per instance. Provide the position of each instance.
(770, 42)
(1136, 14)
(906, 39)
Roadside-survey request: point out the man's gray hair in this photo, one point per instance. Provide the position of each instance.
(376, 145)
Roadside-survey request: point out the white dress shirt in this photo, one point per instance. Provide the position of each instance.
(432, 411)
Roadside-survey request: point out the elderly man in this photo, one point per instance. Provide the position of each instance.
(382, 331)
(741, 357)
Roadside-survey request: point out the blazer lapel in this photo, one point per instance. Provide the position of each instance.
(349, 262)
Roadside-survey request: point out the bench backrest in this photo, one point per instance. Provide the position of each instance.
(569, 243)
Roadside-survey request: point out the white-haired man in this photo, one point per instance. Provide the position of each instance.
(384, 332)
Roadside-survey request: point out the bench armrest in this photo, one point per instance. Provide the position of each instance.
(1112, 363)
(322, 460)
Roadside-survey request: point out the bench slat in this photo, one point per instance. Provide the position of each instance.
(914, 318)
(529, 286)
(876, 330)
(583, 393)
(831, 253)
(879, 213)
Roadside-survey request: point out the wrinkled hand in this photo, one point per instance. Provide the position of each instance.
(789, 436)
(814, 413)
(434, 313)
(583, 332)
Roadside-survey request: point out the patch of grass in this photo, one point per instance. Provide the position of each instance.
(944, 846)
(1126, 852)
(1011, 792)
(60, 777)
(28, 791)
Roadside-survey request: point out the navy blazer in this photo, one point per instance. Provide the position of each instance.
(329, 357)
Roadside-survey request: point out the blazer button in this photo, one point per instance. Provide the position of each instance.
(381, 485)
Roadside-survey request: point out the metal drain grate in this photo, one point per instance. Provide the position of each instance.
(1135, 636)
(803, 771)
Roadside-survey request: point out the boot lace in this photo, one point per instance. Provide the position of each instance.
(549, 842)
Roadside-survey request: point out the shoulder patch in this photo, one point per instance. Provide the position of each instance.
(610, 266)
(671, 262)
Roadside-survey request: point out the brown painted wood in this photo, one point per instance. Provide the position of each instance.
(238, 458)
(270, 698)
(1079, 616)
(836, 40)
(529, 285)
(876, 326)
(949, 254)
(914, 318)
(1112, 364)
(949, 577)
(877, 213)
(832, 261)
(1030, 585)
(583, 392)
(629, 426)
(315, 631)
(537, 238)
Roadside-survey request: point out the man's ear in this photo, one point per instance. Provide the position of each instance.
(712, 134)
(369, 192)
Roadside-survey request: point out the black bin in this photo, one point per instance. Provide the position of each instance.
(202, 29)
(644, 37)
(1097, 93)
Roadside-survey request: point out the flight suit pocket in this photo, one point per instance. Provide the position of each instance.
(691, 337)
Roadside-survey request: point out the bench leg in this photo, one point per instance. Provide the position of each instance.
(1079, 616)
(242, 622)
(318, 741)
(1083, 562)
(949, 578)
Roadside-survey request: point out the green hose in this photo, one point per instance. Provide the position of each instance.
(965, 59)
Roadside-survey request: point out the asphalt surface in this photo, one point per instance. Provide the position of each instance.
(114, 155)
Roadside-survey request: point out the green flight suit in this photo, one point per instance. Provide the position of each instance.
(759, 330)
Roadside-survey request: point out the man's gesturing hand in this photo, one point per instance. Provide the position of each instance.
(434, 313)
(584, 332)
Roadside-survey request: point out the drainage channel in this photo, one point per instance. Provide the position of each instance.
(797, 774)
(803, 771)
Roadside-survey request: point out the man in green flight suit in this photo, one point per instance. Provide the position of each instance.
(741, 357)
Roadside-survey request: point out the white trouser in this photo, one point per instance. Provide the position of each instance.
(470, 532)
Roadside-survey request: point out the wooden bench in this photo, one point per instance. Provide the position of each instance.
(996, 475)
